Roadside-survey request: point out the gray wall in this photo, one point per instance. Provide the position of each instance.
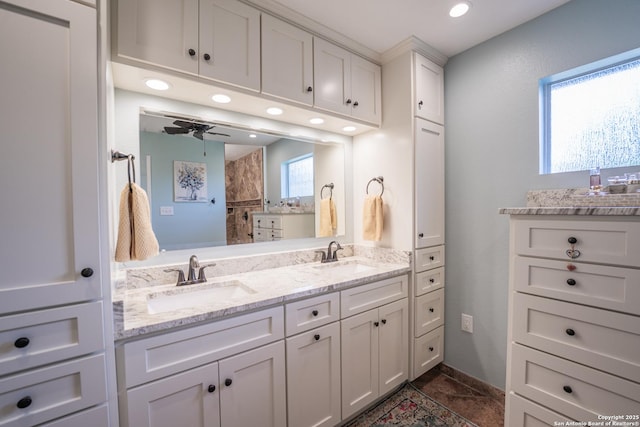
(491, 99)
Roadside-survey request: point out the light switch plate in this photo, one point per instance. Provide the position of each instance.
(166, 210)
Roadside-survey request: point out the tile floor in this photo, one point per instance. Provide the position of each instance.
(479, 402)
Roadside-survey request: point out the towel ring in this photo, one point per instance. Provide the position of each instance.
(330, 187)
(379, 180)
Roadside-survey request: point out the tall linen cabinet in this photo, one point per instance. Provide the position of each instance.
(52, 363)
(413, 116)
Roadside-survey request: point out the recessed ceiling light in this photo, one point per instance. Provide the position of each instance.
(253, 135)
(274, 111)
(316, 121)
(221, 99)
(349, 128)
(157, 84)
(459, 9)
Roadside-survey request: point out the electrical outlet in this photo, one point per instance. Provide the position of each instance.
(467, 323)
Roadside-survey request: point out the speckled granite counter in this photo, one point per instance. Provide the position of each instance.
(595, 211)
(273, 279)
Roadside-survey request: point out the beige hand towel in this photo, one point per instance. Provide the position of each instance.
(328, 218)
(136, 240)
(372, 218)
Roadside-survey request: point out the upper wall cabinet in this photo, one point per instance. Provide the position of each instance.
(345, 83)
(287, 61)
(216, 39)
(429, 94)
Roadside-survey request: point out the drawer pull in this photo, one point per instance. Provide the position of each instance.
(570, 332)
(25, 402)
(432, 280)
(567, 389)
(421, 235)
(572, 240)
(571, 282)
(21, 342)
(228, 382)
(211, 388)
(431, 309)
(314, 312)
(316, 337)
(432, 258)
(430, 348)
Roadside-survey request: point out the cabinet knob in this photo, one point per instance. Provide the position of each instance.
(206, 56)
(430, 348)
(355, 104)
(432, 258)
(86, 272)
(25, 402)
(420, 104)
(431, 309)
(309, 89)
(348, 101)
(191, 52)
(316, 337)
(376, 324)
(432, 280)
(384, 321)
(228, 382)
(421, 235)
(21, 342)
(571, 282)
(567, 389)
(211, 388)
(572, 240)
(314, 312)
(570, 332)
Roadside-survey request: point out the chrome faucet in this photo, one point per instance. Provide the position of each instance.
(194, 265)
(331, 256)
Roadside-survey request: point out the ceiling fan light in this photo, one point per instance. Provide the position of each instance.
(459, 9)
(157, 84)
(221, 99)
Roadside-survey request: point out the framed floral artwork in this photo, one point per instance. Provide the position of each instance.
(189, 182)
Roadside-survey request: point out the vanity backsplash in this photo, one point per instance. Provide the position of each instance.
(579, 197)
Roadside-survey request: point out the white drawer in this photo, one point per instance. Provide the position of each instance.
(598, 241)
(428, 351)
(267, 221)
(47, 336)
(52, 392)
(429, 280)
(524, 413)
(362, 298)
(266, 235)
(429, 258)
(579, 392)
(94, 417)
(602, 339)
(429, 312)
(310, 313)
(159, 356)
(614, 288)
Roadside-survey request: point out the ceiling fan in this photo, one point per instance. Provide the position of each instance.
(198, 129)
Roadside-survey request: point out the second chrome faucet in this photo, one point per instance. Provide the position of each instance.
(330, 256)
(194, 265)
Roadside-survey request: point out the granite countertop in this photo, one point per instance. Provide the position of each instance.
(578, 210)
(268, 287)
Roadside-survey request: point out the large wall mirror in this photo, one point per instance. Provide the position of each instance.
(214, 183)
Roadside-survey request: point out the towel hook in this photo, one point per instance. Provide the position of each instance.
(330, 187)
(379, 180)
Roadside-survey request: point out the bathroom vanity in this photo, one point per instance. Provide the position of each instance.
(250, 341)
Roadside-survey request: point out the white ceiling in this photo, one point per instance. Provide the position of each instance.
(381, 24)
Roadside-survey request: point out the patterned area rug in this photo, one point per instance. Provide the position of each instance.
(410, 407)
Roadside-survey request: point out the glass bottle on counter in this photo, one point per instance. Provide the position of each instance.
(594, 179)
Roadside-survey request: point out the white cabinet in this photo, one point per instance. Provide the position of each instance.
(287, 61)
(374, 354)
(313, 377)
(346, 83)
(270, 227)
(429, 175)
(215, 39)
(429, 90)
(574, 325)
(51, 251)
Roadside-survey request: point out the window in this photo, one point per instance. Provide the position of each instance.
(590, 116)
(297, 177)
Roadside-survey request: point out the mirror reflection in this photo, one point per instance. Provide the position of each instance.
(214, 185)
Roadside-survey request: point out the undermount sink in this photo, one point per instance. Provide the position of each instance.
(195, 296)
(344, 267)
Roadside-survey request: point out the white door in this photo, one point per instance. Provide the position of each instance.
(287, 61)
(429, 96)
(313, 377)
(359, 361)
(253, 388)
(161, 32)
(48, 181)
(331, 71)
(230, 39)
(394, 344)
(429, 166)
(189, 399)
(366, 90)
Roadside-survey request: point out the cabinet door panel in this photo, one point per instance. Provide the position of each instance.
(48, 180)
(159, 32)
(332, 85)
(230, 34)
(287, 61)
(429, 165)
(256, 394)
(394, 345)
(366, 87)
(429, 100)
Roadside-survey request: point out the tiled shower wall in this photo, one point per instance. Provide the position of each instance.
(245, 193)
